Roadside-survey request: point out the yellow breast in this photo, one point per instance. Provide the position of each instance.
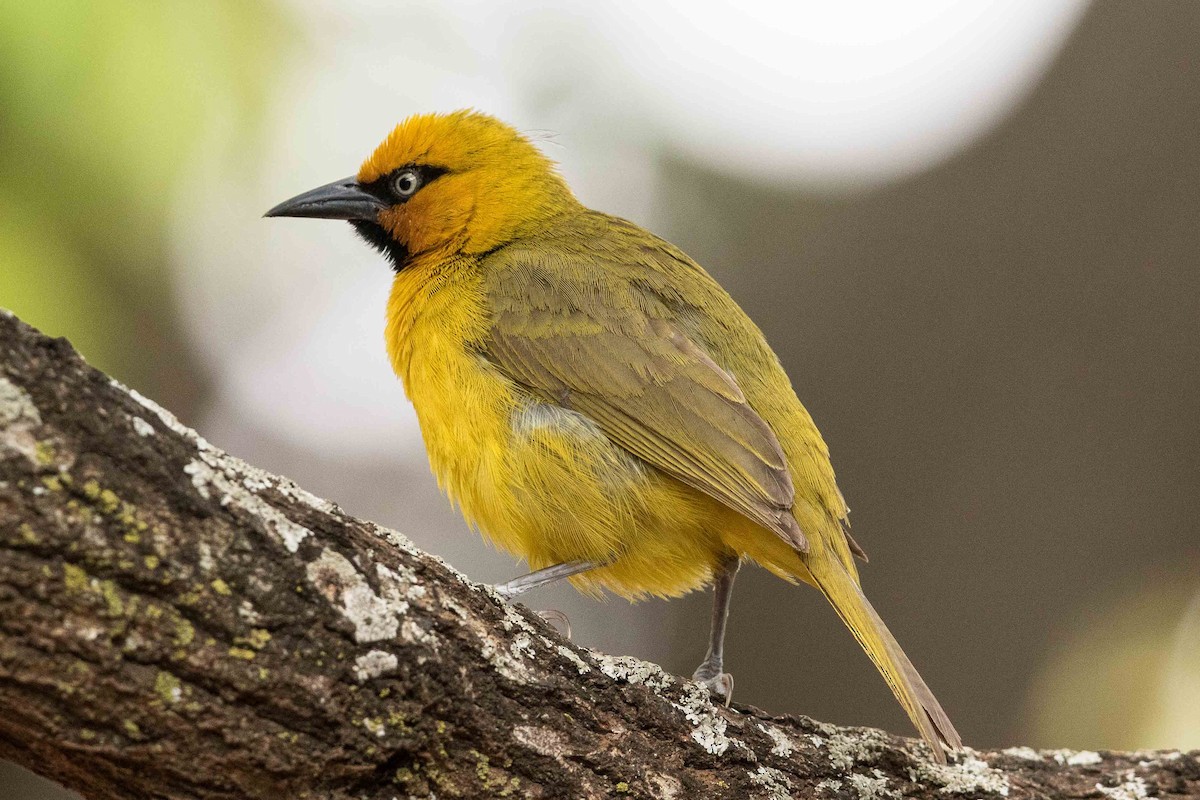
(435, 312)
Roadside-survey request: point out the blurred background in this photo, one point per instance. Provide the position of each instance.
(969, 229)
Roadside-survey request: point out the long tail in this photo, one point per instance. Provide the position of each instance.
(856, 611)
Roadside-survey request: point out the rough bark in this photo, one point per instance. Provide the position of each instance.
(177, 624)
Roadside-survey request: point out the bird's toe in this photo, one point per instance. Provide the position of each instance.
(557, 620)
(718, 683)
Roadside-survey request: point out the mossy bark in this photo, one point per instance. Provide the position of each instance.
(177, 624)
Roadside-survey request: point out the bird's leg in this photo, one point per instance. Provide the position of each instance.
(542, 577)
(712, 673)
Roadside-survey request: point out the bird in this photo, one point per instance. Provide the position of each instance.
(591, 398)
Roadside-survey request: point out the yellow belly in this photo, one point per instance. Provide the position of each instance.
(546, 485)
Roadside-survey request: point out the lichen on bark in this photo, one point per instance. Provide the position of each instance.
(177, 623)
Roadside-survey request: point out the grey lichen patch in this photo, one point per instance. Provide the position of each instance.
(968, 775)
(776, 784)
(140, 426)
(508, 663)
(404, 544)
(710, 726)
(1159, 759)
(400, 583)
(206, 561)
(374, 618)
(164, 416)
(664, 787)
(19, 418)
(373, 664)
(781, 742)
(513, 619)
(1076, 758)
(16, 407)
(1132, 787)
(413, 632)
(542, 740)
(570, 655)
(846, 750)
(870, 787)
(521, 646)
(251, 478)
(210, 475)
(504, 660)
(247, 613)
(628, 669)
(233, 480)
(1023, 753)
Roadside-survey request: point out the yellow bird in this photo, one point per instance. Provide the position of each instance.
(591, 398)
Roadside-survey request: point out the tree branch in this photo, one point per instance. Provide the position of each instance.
(177, 624)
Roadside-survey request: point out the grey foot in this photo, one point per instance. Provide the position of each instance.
(718, 683)
(506, 592)
(541, 577)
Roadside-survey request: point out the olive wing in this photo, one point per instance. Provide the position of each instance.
(593, 343)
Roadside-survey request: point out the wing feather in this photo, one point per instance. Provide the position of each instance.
(618, 355)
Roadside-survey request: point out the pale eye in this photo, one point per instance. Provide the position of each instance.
(405, 183)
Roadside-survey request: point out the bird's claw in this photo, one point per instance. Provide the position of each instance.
(552, 616)
(507, 592)
(719, 684)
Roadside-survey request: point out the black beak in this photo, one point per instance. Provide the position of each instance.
(343, 199)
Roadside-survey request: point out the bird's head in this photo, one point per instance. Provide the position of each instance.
(452, 183)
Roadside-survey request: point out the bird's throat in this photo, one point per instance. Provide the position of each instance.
(375, 235)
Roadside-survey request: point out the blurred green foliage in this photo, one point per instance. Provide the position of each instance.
(103, 103)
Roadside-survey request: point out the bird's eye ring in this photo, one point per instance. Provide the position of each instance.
(405, 183)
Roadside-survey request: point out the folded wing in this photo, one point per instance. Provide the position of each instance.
(618, 356)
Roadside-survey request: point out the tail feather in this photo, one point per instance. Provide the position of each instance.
(902, 677)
